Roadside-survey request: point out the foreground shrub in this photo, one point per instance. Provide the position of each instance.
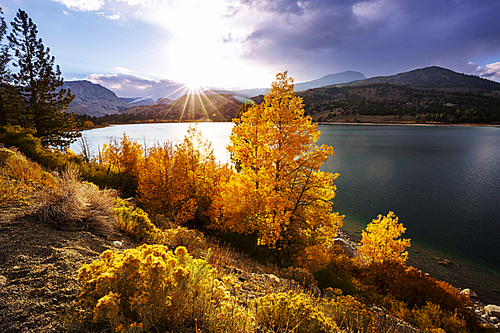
(19, 177)
(152, 287)
(290, 312)
(347, 312)
(301, 275)
(135, 223)
(191, 239)
(77, 205)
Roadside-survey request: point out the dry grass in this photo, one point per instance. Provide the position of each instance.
(77, 205)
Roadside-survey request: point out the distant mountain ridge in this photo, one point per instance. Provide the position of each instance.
(327, 80)
(434, 78)
(136, 101)
(93, 99)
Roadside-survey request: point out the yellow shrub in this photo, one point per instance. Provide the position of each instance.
(154, 287)
(19, 177)
(432, 318)
(191, 239)
(347, 312)
(290, 312)
(135, 223)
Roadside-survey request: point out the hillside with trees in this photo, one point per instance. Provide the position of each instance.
(413, 104)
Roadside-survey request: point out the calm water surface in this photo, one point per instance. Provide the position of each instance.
(442, 182)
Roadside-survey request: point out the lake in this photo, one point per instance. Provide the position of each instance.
(443, 182)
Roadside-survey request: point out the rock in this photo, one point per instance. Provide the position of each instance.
(346, 247)
(447, 261)
(443, 263)
(494, 320)
(273, 278)
(492, 310)
(486, 317)
(469, 292)
(118, 244)
(3, 281)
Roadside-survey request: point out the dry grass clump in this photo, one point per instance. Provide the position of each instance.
(77, 205)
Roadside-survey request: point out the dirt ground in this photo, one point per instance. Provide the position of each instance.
(39, 270)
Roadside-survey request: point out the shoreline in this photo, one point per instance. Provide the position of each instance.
(459, 273)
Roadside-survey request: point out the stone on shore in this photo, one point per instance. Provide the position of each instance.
(492, 310)
(346, 247)
(469, 292)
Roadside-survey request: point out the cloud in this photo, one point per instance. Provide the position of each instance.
(489, 71)
(83, 5)
(126, 84)
(113, 16)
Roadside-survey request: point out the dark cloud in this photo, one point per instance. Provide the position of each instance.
(375, 37)
(130, 85)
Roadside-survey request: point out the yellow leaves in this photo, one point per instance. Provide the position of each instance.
(379, 242)
(279, 192)
(180, 181)
(125, 155)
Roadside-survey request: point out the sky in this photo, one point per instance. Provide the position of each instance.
(138, 48)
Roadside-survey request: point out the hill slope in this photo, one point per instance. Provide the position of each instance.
(93, 99)
(434, 78)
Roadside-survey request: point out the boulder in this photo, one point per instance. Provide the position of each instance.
(469, 292)
(492, 310)
(346, 247)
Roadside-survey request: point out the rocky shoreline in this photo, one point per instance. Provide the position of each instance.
(488, 314)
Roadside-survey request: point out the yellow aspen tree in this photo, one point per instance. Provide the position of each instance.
(379, 243)
(279, 192)
(179, 180)
(125, 155)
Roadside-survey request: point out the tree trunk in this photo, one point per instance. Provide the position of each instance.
(3, 118)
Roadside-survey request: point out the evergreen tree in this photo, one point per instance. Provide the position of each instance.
(40, 85)
(5, 76)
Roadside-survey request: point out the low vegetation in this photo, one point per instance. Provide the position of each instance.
(276, 204)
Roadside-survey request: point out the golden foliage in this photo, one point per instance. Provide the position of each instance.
(279, 192)
(155, 288)
(379, 242)
(135, 223)
(19, 177)
(125, 155)
(290, 312)
(180, 181)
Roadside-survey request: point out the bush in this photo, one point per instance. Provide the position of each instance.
(301, 275)
(135, 223)
(191, 239)
(19, 177)
(77, 205)
(290, 312)
(152, 287)
(347, 312)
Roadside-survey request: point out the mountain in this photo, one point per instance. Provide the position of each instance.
(135, 101)
(438, 94)
(327, 80)
(330, 79)
(93, 99)
(434, 78)
(163, 101)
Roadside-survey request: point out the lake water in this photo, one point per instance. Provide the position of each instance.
(442, 181)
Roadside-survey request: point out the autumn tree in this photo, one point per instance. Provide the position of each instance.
(40, 83)
(180, 180)
(380, 243)
(279, 193)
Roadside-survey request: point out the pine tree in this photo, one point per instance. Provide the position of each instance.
(39, 82)
(5, 76)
